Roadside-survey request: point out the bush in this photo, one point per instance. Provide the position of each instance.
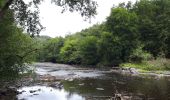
(152, 65)
(160, 63)
(139, 55)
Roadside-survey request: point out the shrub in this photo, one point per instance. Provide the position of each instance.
(139, 55)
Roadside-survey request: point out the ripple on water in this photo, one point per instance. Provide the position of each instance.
(70, 73)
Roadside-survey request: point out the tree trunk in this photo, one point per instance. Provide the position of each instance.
(6, 6)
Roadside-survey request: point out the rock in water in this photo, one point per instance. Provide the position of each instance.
(101, 89)
(133, 71)
(118, 96)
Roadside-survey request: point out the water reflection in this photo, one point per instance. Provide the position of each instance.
(131, 87)
(134, 88)
(97, 85)
(46, 93)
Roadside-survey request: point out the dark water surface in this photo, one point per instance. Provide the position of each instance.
(101, 86)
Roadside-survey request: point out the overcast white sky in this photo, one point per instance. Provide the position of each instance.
(58, 24)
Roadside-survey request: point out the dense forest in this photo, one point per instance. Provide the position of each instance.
(133, 34)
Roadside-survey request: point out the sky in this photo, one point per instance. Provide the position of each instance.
(61, 24)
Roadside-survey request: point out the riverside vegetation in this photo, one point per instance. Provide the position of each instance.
(133, 35)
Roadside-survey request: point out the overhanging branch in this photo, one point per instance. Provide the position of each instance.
(4, 8)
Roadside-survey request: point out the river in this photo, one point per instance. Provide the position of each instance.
(65, 82)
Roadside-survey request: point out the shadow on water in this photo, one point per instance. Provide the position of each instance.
(101, 88)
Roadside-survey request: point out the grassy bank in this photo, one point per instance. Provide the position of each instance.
(160, 64)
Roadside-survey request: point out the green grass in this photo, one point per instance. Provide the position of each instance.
(160, 64)
(143, 71)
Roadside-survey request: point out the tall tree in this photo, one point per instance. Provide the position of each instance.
(88, 50)
(123, 24)
(16, 48)
(154, 16)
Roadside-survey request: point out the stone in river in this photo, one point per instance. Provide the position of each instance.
(101, 89)
(81, 84)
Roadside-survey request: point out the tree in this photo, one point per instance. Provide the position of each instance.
(70, 52)
(132, 33)
(109, 49)
(29, 20)
(95, 30)
(88, 50)
(16, 48)
(154, 16)
(41, 43)
(16, 17)
(51, 50)
(122, 23)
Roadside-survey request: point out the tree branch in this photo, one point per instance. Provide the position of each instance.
(6, 6)
(27, 53)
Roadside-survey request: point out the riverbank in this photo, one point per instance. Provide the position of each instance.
(159, 67)
(141, 73)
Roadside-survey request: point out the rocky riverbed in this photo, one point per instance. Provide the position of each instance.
(65, 82)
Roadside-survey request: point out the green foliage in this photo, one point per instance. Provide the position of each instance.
(160, 64)
(29, 19)
(143, 66)
(137, 33)
(139, 55)
(41, 42)
(94, 30)
(88, 50)
(154, 16)
(69, 52)
(52, 49)
(2, 3)
(123, 25)
(109, 49)
(154, 34)
(15, 48)
(132, 33)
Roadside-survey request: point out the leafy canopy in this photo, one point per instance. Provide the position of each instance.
(29, 19)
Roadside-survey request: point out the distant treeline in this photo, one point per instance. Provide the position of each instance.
(132, 33)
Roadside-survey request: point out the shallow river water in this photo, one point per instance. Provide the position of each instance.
(92, 84)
